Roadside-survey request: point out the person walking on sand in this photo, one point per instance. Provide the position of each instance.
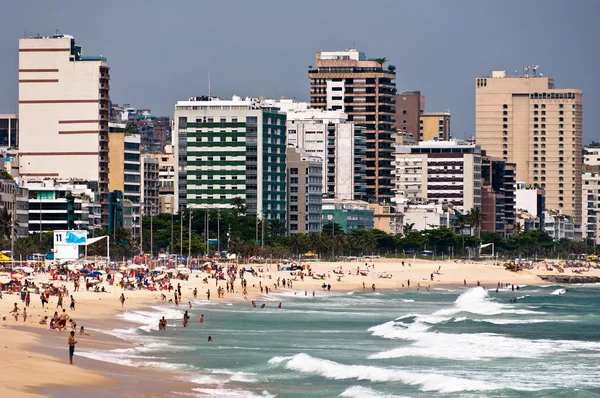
(27, 299)
(122, 300)
(59, 302)
(73, 302)
(15, 312)
(43, 299)
(72, 343)
(208, 294)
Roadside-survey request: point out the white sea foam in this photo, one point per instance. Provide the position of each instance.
(231, 393)
(408, 301)
(469, 346)
(364, 392)
(427, 382)
(148, 319)
(242, 377)
(559, 292)
(477, 301)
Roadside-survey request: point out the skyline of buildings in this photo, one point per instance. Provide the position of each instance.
(374, 144)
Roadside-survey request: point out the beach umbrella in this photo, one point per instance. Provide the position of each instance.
(160, 268)
(94, 274)
(17, 276)
(181, 266)
(4, 280)
(84, 271)
(94, 282)
(161, 276)
(30, 277)
(27, 270)
(170, 270)
(133, 266)
(118, 275)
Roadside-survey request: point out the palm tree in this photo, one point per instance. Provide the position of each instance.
(276, 228)
(239, 206)
(408, 228)
(476, 218)
(5, 223)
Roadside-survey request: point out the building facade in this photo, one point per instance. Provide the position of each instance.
(434, 126)
(125, 170)
(233, 149)
(365, 90)
(304, 185)
(559, 226)
(64, 105)
(348, 214)
(591, 207)
(409, 107)
(387, 219)
(341, 146)
(532, 201)
(150, 186)
(527, 121)
(498, 195)
(167, 178)
(55, 204)
(440, 171)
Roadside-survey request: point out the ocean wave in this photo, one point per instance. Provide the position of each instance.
(231, 393)
(364, 392)
(305, 363)
(559, 292)
(470, 346)
(148, 319)
(478, 301)
(242, 377)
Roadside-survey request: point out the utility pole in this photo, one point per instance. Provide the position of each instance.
(151, 235)
(207, 230)
(219, 232)
(190, 237)
(142, 209)
(12, 227)
(171, 242)
(180, 234)
(262, 228)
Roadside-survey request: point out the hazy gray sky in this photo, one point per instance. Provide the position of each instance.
(161, 51)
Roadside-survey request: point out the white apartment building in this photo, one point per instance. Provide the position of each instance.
(48, 205)
(530, 200)
(558, 225)
(424, 215)
(230, 149)
(339, 143)
(439, 171)
(591, 206)
(591, 156)
(64, 105)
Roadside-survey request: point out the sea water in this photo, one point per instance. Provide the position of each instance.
(452, 343)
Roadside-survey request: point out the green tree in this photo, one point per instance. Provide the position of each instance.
(476, 218)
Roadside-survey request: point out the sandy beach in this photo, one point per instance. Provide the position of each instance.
(35, 358)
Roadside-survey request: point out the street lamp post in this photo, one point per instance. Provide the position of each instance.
(190, 236)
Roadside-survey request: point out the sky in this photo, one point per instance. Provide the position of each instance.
(160, 52)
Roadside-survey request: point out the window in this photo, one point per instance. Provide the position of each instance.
(505, 106)
(505, 113)
(223, 120)
(505, 132)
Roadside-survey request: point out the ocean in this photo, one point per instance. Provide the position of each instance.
(450, 343)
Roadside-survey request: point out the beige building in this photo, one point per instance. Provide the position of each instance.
(166, 180)
(434, 126)
(365, 90)
(527, 121)
(125, 169)
(386, 219)
(63, 112)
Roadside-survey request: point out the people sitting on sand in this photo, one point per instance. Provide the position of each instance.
(44, 320)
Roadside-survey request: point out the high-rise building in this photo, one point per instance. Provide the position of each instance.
(434, 126)
(9, 131)
(527, 121)
(167, 178)
(439, 171)
(348, 214)
(64, 106)
(125, 170)
(591, 207)
(409, 107)
(150, 188)
(339, 143)
(498, 195)
(365, 90)
(305, 173)
(231, 149)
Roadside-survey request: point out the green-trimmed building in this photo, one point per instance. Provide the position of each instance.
(227, 149)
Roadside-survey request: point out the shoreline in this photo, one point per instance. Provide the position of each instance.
(41, 370)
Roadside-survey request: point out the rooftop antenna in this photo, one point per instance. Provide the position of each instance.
(209, 84)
